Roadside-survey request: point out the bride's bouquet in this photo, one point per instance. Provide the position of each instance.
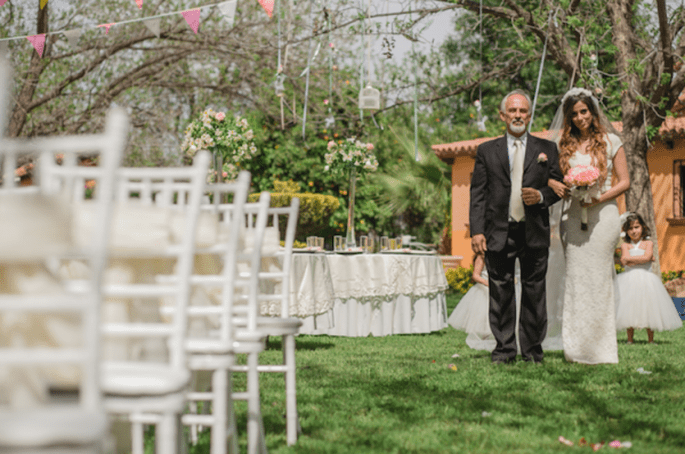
(584, 187)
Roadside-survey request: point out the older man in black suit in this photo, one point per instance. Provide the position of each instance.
(508, 220)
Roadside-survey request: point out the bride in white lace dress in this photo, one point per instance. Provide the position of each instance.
(588, 319)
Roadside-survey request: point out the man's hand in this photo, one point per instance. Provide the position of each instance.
(478, 244)
(530, 196)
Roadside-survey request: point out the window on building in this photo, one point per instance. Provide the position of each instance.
(679, 189)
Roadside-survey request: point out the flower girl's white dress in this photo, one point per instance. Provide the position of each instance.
(471, 314)
(643, 301)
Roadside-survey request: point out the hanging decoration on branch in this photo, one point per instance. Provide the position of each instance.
(193, 18)
(73, 36)
(43, 3)
(38, 42)
(228, 11)
(370, 98)
(153, 26)
(107, 27)
(268, 6)
(140, 4)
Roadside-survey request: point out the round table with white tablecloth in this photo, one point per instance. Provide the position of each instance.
(384, 294)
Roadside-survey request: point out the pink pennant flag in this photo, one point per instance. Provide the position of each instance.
(193, 18)
(2, 2)
(38, 42)
(268, 6)
(107, 27)
(140, 4)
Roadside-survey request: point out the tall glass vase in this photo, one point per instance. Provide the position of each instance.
(349, 240)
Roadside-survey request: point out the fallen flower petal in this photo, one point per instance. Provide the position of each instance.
(565, 441)
(456, 355)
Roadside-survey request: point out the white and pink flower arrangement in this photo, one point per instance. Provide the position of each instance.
(583, 180)
(350, 153)
(227, 136)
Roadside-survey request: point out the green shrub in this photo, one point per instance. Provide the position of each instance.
(459, 278)
(670, 275)
(315, 211)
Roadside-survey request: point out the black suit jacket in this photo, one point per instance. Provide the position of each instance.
(491, 190)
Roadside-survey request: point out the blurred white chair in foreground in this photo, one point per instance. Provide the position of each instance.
(46, 332)
(152, 390)
(274, 298)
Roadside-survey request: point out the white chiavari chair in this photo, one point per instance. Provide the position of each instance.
(59, 329)
(275, 295)
(147, 382)
(210, 346)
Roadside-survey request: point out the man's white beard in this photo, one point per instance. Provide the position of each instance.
(517, 129)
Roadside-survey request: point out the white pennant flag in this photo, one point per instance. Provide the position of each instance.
(228, 10)
(153, 26)
(73, 36)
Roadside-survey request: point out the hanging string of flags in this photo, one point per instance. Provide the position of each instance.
(191, 16)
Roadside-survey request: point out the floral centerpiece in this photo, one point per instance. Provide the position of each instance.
(227, 137)
(350, 156)
(584, 187)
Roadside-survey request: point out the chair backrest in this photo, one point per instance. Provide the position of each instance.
(255, 221)
(178, 193)
(227, 202)
(276, 283)
(83, 300)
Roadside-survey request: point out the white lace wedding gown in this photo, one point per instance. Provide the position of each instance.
(589, 315)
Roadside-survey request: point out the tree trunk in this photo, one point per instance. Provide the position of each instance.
(639, 196)
(20, 112)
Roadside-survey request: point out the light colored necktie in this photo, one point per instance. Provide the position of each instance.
(515, 202)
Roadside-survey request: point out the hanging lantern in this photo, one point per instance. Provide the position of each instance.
(369, 98)
(278, 85)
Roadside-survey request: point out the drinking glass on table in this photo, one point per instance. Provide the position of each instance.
(364, 240)
(384, 243)
(392, 244)
(311, 242)
(398, 242)
(319, 243)
(371, 245)
(338, 244)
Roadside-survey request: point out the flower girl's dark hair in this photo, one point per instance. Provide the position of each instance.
(629, 220)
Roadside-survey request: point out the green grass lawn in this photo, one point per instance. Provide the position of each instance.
(397, 394)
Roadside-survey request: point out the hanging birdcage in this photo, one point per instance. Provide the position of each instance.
(369, 98)
(279, 86)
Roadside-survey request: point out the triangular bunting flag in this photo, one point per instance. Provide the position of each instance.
(139, 3)
(43, 3)
(268, 6)
(73, 36)
(38, 42)
(228, 10)
(2, 2)
(107, 27)
(153, 26)
(193, 18)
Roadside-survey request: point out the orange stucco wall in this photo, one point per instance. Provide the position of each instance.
(670, 238)
(461, 181)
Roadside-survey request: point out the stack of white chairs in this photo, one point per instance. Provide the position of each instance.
(275, 292)
(38, 348)
(153, 391)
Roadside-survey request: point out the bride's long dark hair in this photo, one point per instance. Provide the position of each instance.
(570, 138)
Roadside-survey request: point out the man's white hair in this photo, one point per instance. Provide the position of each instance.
(503, 107)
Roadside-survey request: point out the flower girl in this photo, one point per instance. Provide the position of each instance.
(643, 302)
(472, 313)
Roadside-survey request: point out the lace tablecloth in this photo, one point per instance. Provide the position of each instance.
(383, 294)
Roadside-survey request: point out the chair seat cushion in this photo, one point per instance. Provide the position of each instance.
(39, 427)
(142, 379)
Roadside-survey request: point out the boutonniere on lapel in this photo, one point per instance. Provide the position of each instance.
(542, 157)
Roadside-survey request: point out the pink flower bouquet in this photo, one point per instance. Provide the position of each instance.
(583, 180)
